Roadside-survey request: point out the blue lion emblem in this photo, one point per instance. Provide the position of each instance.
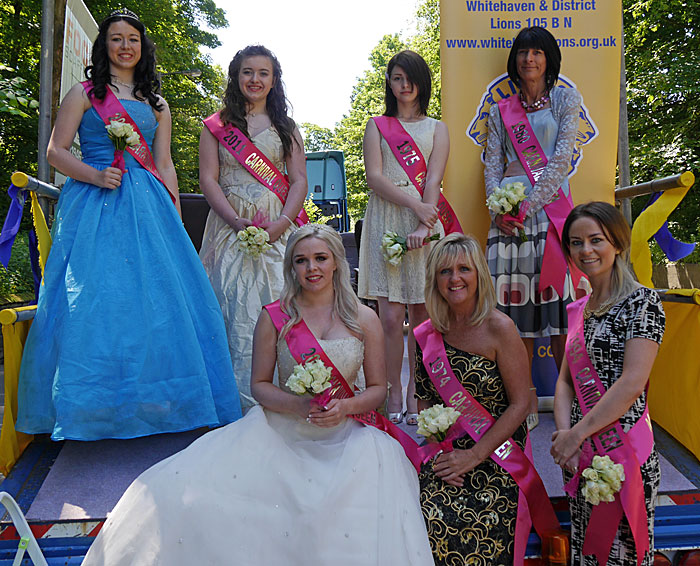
(501, 87)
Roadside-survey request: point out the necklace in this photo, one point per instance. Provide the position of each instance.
(130, 87)
(600, 311)
(539, 103)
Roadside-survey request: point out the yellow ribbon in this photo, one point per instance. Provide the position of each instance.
(647, 224)
(42, 232)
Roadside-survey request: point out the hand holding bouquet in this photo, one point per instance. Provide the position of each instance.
(435, 421)
(394, 246)
(122, 135)
(603, 480)
(510, 201)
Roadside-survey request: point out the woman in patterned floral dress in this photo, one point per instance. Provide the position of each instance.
(533, 66)
(469, 502)
(623, 327)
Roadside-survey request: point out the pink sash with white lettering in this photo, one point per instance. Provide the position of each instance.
(111, 109)
(413, 163)
(252, 159)
(534, 161)
(475, 421)
(304, 347)
(628, 449)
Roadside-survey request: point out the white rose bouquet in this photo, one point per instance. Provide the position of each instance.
(122, 135)
(435, 421)
(253, 241)
(507, 200)
(603, 480)
(394, 246)
(312, 377)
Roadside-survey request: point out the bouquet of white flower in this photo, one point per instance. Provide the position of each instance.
(603, 480)
(506, 200)
(253, 241)
(435, 421)
(394, 246)
(122, 135)
(312, 377)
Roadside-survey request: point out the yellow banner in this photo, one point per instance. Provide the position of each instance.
(12, 443)
(476, 37)
(675, 378)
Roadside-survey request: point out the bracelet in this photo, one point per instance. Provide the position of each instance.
(533, 388)
(291, 222)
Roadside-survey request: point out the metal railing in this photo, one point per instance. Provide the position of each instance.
(623, 195)
(24, 181)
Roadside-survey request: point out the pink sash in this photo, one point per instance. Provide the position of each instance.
(628, 449)
(534, 161)
(304, 347)
(413, 163)
(111, 109)
(253, 160)
(475, 421)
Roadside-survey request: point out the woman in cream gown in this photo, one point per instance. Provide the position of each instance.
(255, 103)
(290, 483)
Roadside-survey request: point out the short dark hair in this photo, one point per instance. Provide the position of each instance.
(536, 38)
(418, 73)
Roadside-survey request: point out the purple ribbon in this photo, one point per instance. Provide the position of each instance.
(12, 222)
(674, 249)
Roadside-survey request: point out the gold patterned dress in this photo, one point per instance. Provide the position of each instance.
(244, 284)
(475, 524)
(403, 283)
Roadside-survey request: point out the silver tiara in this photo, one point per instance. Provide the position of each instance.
(124, 13)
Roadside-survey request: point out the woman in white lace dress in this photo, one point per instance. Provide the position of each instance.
(515, 265)
(291, 483)
(395, 204)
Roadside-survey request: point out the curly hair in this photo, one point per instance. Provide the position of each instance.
(235, 102)
(146, 82)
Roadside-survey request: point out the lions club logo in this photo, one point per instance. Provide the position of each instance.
(502, 87)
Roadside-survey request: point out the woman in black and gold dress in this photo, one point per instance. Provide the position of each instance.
(469, 502)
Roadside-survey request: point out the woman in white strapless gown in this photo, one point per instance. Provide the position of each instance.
(289, 483)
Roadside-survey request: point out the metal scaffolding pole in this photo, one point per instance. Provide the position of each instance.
(45, 92)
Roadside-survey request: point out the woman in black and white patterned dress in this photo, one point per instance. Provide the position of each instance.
(623, 327)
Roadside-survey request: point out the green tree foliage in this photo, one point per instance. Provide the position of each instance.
(177, 30)
(14, 99)
(367, 98)
(662, 57)
(317, 138)
(20, 28)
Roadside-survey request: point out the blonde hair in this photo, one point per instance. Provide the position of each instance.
(617, 231)
(448, 251)
(346, 304)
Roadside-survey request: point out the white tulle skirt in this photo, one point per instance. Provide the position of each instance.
(272, 489)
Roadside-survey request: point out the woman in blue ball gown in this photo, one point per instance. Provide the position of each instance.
(128, 338)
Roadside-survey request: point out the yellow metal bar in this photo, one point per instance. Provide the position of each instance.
(12, 315)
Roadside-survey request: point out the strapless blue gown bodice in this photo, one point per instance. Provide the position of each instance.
(128, 339)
